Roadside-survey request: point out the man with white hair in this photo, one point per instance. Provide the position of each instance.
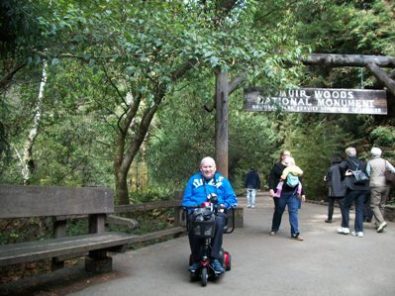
(356, 192)
(200, 187)
(379, 190)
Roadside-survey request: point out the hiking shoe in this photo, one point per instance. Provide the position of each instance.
(381, 227)
(298, 237)
(357, 234)
(195, 266)
(343, 230)
(217, 266)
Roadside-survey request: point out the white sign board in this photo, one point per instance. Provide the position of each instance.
(318, 100)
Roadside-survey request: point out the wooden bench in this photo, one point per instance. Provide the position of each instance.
(62, 204)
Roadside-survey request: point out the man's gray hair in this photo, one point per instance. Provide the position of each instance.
(376, 152)
(207, 159)
(351, 152)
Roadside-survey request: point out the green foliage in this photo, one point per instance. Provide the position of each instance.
(252, 141)
(183, 133)
(104, 55)
(321, 140)
(364, 27)
(24, 229)
(384, 137)
(18, 27)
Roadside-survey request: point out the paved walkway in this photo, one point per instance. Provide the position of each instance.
(326, 263)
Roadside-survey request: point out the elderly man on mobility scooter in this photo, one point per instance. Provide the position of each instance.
(201, 187)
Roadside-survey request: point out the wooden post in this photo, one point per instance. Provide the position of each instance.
(221, 123)
(59, 225)
(97, 223)
(97, 261)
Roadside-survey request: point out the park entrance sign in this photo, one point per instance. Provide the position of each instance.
(318, 100)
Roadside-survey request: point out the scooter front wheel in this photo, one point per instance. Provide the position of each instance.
(204, 276)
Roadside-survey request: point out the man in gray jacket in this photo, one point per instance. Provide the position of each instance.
(379, 190)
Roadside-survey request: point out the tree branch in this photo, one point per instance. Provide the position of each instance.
(8, 77)
(341, 60)
(382, 76)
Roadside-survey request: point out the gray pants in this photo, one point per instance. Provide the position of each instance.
(378, 198)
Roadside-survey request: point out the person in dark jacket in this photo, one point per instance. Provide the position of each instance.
(274, 179)
(356, 192)
(336, 188)
(252, 183)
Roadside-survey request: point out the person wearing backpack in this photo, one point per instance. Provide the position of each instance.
(379, 189)
(357, 189)
(289, 193)
(336, 188)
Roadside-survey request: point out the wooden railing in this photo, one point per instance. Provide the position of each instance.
(177, 229)
(179, 220)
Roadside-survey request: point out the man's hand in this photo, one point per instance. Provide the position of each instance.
(271, 192)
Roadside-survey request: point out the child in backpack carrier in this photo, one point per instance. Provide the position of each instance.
(290, 194)
(290, 177)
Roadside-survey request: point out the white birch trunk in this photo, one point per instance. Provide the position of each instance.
(27, 160)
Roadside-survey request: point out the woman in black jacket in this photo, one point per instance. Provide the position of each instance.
(274, 179)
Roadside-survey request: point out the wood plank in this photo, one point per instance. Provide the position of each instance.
(174, 231)
(342, 60)
(37, 250)
(35, 201)
(68, 247)
(161, 204)
(137, 239)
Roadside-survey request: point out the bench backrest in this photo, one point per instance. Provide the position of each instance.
(35, 201)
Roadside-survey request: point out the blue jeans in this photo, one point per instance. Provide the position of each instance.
(251, 196)
(358, 197)
(291, 200)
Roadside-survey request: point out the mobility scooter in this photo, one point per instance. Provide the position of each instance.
(202, 223)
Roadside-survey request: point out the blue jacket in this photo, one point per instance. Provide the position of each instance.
(197, 190)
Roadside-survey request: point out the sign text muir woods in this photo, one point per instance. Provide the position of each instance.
(318, 100)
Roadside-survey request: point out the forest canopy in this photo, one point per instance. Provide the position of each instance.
(115, 93)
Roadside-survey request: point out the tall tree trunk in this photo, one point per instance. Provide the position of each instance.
(27, 160)
(132, 132)
(222, 123)
(128, 144)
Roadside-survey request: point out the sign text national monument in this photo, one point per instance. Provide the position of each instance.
(318, 100)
